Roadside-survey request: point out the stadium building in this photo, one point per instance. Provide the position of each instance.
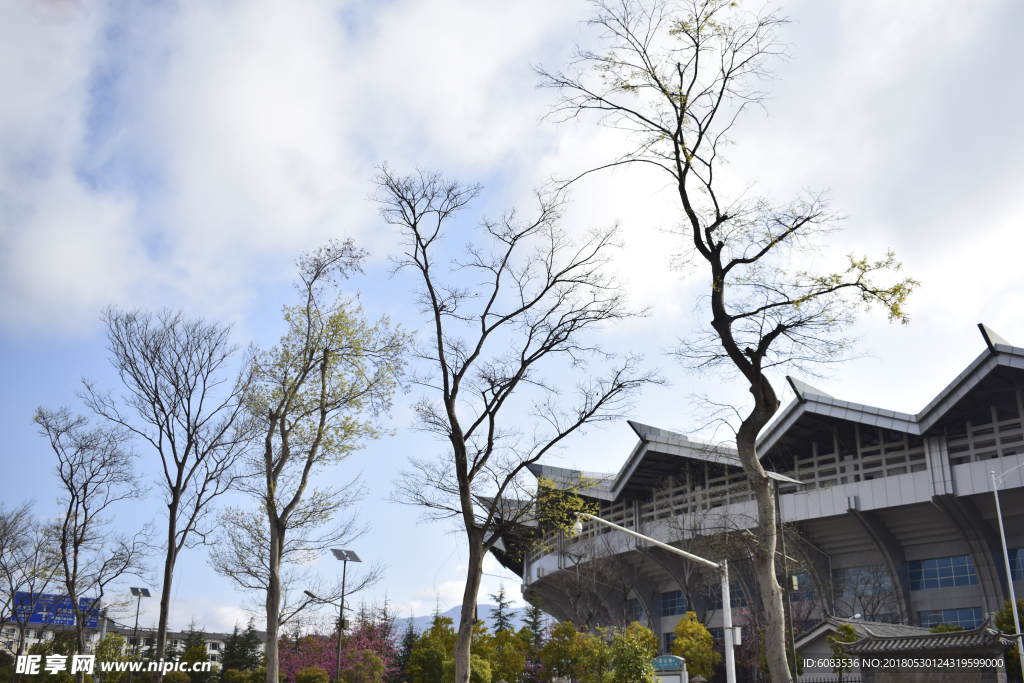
(893, 519)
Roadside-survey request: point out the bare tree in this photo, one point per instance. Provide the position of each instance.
(242, 554)
(526, 304)
(29, 565)
(184, 401)
(317, 397)
(868, 590)
(675, 77)
(96, 472)
(15, 531)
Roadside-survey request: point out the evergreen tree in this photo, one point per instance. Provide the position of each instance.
(534, 620)
(193, 638)
(232, 656)
(405, 650)
(502, 614)
(241, 650)
(194, 651)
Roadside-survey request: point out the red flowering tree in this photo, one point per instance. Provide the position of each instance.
(318, 650)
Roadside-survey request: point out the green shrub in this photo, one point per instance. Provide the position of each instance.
(312, 674)
(260, 676)
(479, 670)
(367, 668)
(176, 677)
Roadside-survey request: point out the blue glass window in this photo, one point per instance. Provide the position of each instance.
(1017, 563)
(672, 603)
(967, 617)
(943, 572)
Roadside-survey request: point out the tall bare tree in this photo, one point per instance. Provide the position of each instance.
(523, 308)
(184, 400)
(96, 471)
(675, 77)
(317, 397)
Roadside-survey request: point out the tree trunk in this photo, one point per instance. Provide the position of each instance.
(764, 557)
(464, 640)
(80, 633)
(21, 650)
(274, 600)
(165, 591)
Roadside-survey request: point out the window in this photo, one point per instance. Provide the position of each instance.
(855, 581)
(174, 643)
(672, 603)
(213, 658)
(214, 646)
(635, 610)
(1016, 563)
(967, 617)
(717, 632)
(805, 590)
(943, 572)
(736, 597)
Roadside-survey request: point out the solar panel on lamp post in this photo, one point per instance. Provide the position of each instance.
(139, 593)
(345, 556)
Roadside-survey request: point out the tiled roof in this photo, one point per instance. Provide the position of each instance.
(880, 629)
(873, 642)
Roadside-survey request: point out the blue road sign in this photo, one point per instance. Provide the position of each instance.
(50, 609)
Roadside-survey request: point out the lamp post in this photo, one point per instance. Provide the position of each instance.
(345, 556)
(139, 593)
(730, 659)
(996, 481)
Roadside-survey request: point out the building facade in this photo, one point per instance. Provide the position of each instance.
(893, 519)
(38, 634)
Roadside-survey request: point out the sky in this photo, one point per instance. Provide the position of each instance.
(182, 155)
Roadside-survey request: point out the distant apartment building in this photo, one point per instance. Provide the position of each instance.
(146, 638)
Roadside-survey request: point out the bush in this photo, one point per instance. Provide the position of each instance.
(479, 670)
(633, 648)
(176, 677)
(312, 674)
(694, 644)
(365, 667)
(259, 676)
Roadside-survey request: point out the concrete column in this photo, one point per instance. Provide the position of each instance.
(984, 546)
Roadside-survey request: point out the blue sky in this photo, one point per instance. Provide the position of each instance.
(183, 154)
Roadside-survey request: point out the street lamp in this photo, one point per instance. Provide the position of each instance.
(730, 639)
(139, 593)
(996, 481)
(345, 556)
